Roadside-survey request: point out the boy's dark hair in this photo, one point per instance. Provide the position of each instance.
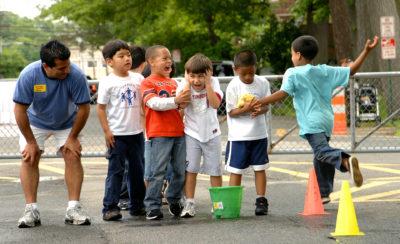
(138, 56)
(146, 71)
(152, 51)
(245, 58)
(173, 70)
(112, 47)
(53, 50)
(307, 46)
(198, 63)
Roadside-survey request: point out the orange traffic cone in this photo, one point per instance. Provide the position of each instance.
(339, 112)
(312, 202)
(346, 220)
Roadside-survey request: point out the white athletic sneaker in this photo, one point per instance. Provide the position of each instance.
(76, 216)
(31, 218)
(189, 210)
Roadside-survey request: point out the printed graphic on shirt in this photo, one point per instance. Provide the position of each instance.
(200, 102)
(128, 96)
(163, 93)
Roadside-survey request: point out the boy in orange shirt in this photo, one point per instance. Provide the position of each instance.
(164, 129)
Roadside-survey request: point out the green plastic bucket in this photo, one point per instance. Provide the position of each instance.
(226, 201)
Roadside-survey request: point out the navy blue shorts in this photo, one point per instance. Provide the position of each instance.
(242, 154)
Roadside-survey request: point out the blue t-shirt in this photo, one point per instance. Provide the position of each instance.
(52, 102)
(311, 88)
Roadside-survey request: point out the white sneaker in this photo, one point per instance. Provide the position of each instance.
(31, 218)
(76, 216)
(189, 210)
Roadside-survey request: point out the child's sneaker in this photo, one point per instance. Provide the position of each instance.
(261, 206)
(138, 212)
(112, 215)
(76, 216)
(124, 204)
(154, 214)
(31, 218)
(326, 200)
(175, 209)
(189, 210)
(355, 172)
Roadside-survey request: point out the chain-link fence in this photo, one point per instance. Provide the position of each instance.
(370, 123)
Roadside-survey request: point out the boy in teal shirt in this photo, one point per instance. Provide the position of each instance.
(311, 87)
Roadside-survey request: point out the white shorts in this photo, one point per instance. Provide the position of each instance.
(41, 135)
(211, 152)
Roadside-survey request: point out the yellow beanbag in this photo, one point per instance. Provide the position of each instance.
(244, 99)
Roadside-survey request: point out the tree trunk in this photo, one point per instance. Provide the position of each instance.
(398, 7)
(213, 38)
(368, 25)
(318, 30)
(341, 28)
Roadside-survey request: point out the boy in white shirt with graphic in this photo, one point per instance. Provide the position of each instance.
(118, 109)
(247, 127)
(202, 132)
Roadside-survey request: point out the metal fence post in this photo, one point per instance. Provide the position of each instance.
(269, 127)
(352, 115)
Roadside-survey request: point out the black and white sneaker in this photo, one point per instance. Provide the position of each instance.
(261, 206)
(124, 204)
(138, 212)
(154, 214)
(175, 209)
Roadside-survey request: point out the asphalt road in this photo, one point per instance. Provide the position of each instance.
(376, 203)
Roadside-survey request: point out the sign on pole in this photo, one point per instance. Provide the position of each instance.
(388, 43)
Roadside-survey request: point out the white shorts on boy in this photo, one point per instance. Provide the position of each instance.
(211, 152)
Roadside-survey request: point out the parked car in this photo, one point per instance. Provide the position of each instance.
(223, 68)
(220, 69)
(92, 90)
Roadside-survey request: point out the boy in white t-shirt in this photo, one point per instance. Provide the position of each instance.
(138, 55)
(247, 127)
(202, 132)
(118, 109)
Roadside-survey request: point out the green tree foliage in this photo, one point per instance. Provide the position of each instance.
(11, 62)
(271, 40)
(208, 26)
(21, 39)
(318, 10)
(276, 43)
